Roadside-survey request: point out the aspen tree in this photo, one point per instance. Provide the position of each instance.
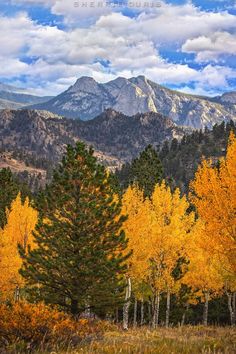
(21, 221)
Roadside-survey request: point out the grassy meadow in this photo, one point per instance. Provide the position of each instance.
(181, 340)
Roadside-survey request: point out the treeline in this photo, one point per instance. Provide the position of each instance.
(180, 159)
(143, 252)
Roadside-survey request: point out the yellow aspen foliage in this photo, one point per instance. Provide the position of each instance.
(171, 231)
(203, 274)
(138, 231)
(214, 195)
(21, 221)
(158, 230)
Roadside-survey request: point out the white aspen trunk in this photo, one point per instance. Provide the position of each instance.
(150, 313)
(135, 312)
(127, 305)
(158, 309)
(234, 307)
(87, 310)
(156, 306)
(231, 307)
(184, 315)
(117, 315)
(205, 312)
(167, 308)
(142, 313)
(183, 318)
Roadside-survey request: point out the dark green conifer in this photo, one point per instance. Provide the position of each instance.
(8, 191)
(145, 171)
(79, 258)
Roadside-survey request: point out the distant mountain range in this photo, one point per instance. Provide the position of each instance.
(13, 98)
(115, 136)
(87, 99)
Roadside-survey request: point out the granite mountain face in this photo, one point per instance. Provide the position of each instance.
(228, 98)
(87, 98)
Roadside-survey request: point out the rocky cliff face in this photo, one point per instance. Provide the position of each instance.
(87, 99)
(228, 97)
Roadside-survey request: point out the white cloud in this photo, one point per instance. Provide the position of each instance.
(172, 74)
(165, 23)
(199, 91)
(211, 47)
(216, 76)
(179, 23)
(211, 80)
(73, 11)
(10, 67)
(14, 31)
(56, 57)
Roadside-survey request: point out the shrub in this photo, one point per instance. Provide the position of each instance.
(34, 325)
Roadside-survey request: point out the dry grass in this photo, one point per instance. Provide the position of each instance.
(185, 340)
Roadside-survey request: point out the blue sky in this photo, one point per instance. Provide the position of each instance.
(187, 45)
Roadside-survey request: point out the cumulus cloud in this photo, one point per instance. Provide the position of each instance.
(165, 22)
(216, 76)
(10, 67)
(177, 24)
(50, 58)
(14, 31)
(211, 47)
(73, 11)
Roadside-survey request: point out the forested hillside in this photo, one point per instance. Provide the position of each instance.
(180, 158)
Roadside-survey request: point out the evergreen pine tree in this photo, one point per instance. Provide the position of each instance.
(9, 189)
(79, 258)
(146, 170)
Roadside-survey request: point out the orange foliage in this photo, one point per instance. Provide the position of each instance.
(214, 194)
(36, 324)
(203, 274)
(21, 221)
(158, 230)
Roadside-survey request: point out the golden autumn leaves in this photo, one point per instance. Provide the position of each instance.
(21, 221)
(158, 230)
(214, 195)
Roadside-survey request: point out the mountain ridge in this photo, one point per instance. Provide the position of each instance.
(112, 133)
(87, 99)
(12, 97)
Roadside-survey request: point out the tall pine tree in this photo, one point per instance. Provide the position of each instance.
(8, 191)
(79, 260)
(145, 171)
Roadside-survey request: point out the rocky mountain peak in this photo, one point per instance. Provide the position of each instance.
(119, 82)
(229, 97)
(84, 83)
(141, 79)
